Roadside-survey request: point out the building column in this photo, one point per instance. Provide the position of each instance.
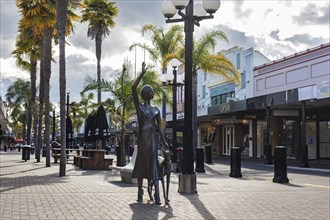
(254, 138)
(303, 145)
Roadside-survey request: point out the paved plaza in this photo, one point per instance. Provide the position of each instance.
(29, 190)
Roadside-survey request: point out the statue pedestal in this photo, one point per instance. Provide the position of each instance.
(187, 183)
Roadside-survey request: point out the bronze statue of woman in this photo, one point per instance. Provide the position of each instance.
(146, 164)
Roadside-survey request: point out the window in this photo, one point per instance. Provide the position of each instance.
(238, 61)
(220, 99)
(243, 80)
(204, 91)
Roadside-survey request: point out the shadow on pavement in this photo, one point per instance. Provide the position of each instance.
(13, 183)
(22, 171)
(145, 210)
(200, 207)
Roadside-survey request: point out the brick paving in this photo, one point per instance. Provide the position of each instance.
(29, 190)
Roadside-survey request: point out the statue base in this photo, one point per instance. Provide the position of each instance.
(187, 183)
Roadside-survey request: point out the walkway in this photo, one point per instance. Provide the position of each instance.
(29, 190)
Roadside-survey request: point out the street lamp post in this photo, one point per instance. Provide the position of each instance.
(167, 80)
(53, 117)
(187, 178)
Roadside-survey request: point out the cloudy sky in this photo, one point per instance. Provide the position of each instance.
(275, 28)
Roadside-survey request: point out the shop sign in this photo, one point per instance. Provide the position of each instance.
(224, 108)
(249, 117)
(323, 90)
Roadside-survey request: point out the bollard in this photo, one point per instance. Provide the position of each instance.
(235, 162)
(200, 160)
(208, 154)
(268, 154)
(280, 166)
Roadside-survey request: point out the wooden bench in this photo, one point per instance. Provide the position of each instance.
(107, 163)
(57, 154)
(126, 171)
(89, 163)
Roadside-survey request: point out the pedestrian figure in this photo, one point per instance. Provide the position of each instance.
(146, 164)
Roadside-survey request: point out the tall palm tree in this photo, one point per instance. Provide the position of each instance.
(27, 55)
(18, 98)
(61, 19)
(40, 15)
(121, 92)
(100, 15)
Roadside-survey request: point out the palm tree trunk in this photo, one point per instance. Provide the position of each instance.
(33, 78)
(98, 48)
(61, 7)
(41, 102)
(123, 149)
(47, 68)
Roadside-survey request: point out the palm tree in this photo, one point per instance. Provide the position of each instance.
(27, 55)
(100, 14)
(18, 98)
(121, 93)
(166, 45)
(61, 19)
(40, 15)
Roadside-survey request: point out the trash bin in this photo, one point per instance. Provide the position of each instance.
(26, 149)
(5, 148)
(32, 150)
(179, 151)
(200, 160)
(43, 151)
(208, 154)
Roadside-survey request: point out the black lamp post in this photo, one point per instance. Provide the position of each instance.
(194, 14)
(171, 79)
(54, 133)
(68, 114)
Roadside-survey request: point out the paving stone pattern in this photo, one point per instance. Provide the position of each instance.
(30, 190)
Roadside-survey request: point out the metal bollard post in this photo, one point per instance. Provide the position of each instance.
(200, 160)
(208, 154)
(280, 166)
(235, 162)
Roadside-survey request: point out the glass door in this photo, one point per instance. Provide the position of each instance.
(228, 139)
(324, 136)
(311, 139)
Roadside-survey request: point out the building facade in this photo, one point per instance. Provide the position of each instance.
(215, 95)
(290, 107)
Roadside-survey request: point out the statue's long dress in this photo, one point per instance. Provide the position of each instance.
(146, 164)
